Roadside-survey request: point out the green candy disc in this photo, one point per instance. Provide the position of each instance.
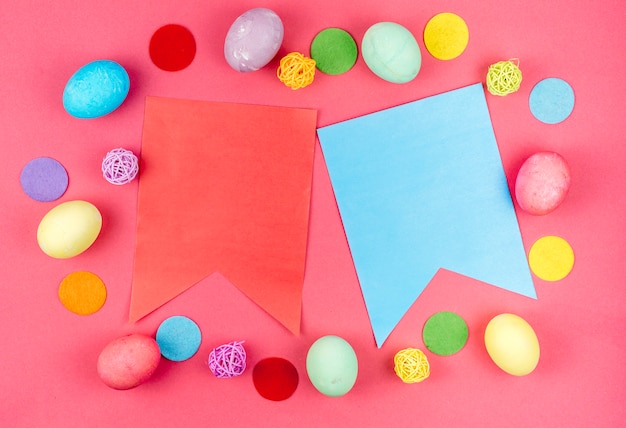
(445, 333)
(334, 51)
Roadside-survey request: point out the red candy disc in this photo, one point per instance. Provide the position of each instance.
(275, 378)
(172, 47)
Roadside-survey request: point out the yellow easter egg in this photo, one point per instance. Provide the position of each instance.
(512, 344)
(69, 229)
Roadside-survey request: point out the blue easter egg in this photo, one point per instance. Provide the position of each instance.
(96, 89)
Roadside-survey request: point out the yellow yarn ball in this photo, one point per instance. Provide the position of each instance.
(504, 77)
(411, 365)
(296, 70)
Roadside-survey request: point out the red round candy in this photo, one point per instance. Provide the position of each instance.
(275, 378)
(128, 361)
(172, 47)
(542, 183)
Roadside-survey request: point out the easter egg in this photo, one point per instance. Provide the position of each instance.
(69, 229)
(128, 361)
(253, 39)
(96, 89)
(391, 52)
(512, 344)
(332, 366)
(542, 183)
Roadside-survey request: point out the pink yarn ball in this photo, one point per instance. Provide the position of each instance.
(120, 166)
(228, 360)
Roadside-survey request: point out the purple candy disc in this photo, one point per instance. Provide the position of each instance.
(44, 179)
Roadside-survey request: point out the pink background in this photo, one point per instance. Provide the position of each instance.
(48, 369)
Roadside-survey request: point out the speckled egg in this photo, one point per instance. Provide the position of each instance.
(542, 183)
(391, 52)
(128, 361)
(96, 89)
(253, 39)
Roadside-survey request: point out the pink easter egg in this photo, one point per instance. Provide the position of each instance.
(542, 183)
(128, 361)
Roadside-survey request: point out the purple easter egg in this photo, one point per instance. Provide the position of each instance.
(253, 39)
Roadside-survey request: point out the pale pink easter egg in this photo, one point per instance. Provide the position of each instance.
(542, 183)
(128, 361)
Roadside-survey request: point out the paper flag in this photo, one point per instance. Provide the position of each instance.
(224, 188)
(421, 187)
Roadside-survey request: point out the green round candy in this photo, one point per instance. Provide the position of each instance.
(332, 366)
(334, 51)
(445, 333)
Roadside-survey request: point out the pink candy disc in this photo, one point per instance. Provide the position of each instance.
(542, 183)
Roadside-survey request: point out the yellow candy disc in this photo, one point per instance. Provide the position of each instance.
(446, 36)
(551, 258)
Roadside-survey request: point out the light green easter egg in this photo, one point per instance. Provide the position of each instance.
(332, 366)
(391, 52)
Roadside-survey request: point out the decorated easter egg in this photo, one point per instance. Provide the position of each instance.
(253, 39)
(332, 366)
(542, 183)
(512, 344)
(96, 89)
(69, 229)
(128, 361)
(391, 52)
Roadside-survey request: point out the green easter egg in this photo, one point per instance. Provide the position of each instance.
(332, 366)
(391, 52)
